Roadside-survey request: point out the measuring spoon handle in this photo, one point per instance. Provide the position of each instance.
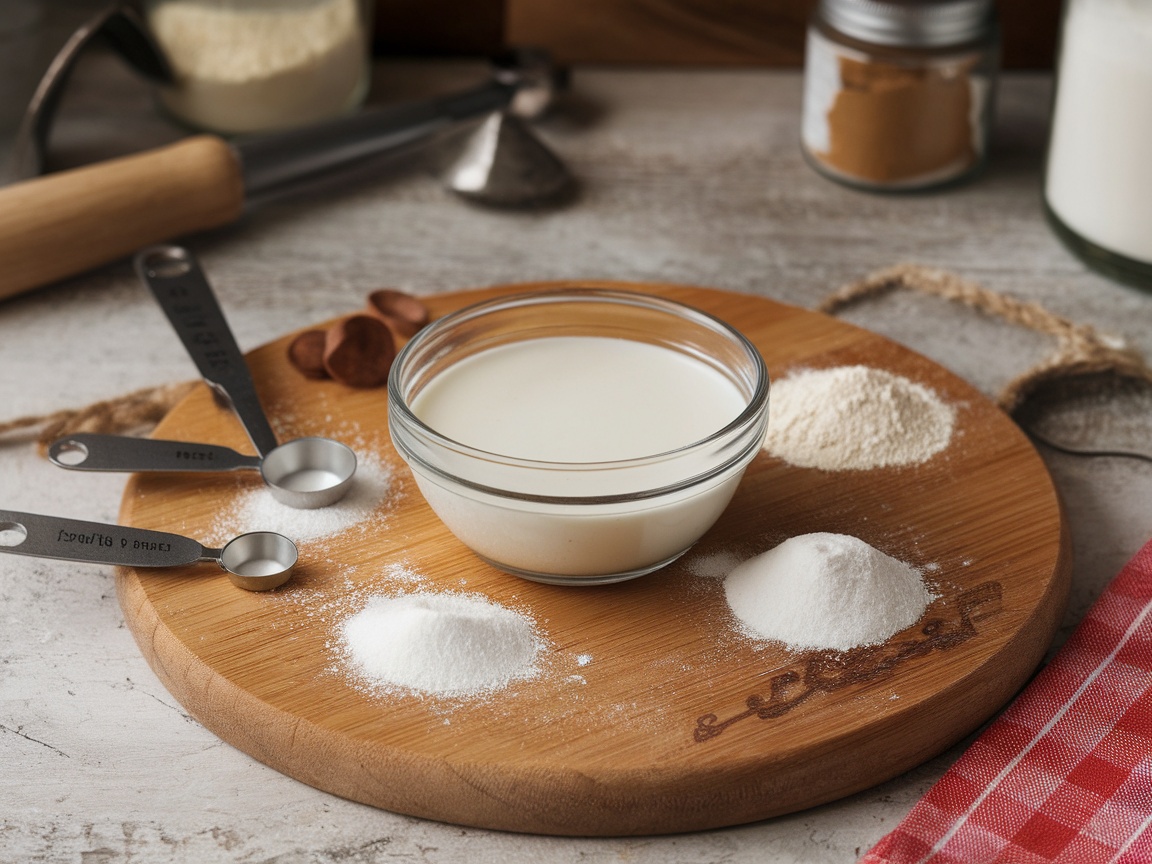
(95, 542)
(91, 452)
(183, 292)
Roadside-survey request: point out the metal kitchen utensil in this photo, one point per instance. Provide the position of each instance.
(289, 471)
(258, 561)
(504, 163)
(523, 83)
(305, 473)
(123, 27)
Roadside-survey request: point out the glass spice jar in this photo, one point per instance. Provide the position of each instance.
(898, 93)
(257, 65)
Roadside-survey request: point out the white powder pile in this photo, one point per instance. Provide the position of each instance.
(825, 591)
(257, 510)
(244, 67)
(441, 644)
(855, 418)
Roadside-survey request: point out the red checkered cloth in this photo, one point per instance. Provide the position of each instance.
(1065, 774)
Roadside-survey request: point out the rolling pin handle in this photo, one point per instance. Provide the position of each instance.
(65, 223)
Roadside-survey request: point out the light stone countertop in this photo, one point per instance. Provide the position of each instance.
(689, 177)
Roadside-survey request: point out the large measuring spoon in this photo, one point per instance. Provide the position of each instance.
(304, 473)
(289, 471)
(258, 561)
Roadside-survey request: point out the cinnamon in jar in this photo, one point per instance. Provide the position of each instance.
(898, 93)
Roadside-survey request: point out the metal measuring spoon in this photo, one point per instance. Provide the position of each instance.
(305, 473)
(258, 561)
(288, 471)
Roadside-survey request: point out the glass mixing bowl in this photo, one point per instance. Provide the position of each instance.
(573, 521)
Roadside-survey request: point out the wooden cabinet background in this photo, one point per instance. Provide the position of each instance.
(676, 32)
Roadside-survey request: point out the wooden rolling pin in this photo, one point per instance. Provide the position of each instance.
(63, 224)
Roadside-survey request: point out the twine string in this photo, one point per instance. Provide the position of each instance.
(1081, 349)
(137, 411)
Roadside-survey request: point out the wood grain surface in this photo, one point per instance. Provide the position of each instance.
(652, 714)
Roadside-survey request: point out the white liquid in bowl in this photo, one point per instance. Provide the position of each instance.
(580, 400)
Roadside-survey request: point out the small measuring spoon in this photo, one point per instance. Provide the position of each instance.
(258, 561)
(289, 471)
(305, 473)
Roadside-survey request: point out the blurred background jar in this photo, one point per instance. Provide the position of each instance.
(898, 93)
(1098, 179)
(254, 65)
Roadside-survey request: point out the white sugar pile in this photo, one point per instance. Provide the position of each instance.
(855, 418)
(442, 644)
(825, 591)
(257, 510)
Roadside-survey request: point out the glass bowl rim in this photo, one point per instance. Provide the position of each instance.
(754, 408)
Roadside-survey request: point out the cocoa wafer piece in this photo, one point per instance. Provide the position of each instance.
(401, 311)
(306, 354)
(358, 351)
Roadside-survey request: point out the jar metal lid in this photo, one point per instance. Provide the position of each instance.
(911, 23)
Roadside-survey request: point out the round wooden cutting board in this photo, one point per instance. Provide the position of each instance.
(651, 712)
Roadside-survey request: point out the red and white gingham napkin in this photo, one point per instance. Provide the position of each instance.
(1065, 774)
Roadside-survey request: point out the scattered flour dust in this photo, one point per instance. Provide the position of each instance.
(440, 643)
(714, 566)
(855, 418)
(825, 591)
(257, 510)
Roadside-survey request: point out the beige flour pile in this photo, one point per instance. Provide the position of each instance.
(855, 418)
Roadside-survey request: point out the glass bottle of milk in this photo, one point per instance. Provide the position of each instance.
(1098, 180)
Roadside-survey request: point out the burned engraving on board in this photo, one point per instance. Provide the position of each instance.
(830, 671)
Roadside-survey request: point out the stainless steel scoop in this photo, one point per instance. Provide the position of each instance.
(305, 473)
(258, 561)
(290, 471)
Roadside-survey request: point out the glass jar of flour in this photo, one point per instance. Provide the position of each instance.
(898, 93)
(1098, 180)
(254, 65)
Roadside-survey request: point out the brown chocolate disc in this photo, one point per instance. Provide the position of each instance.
(358, 351)
(306, 354)
(402, 312)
